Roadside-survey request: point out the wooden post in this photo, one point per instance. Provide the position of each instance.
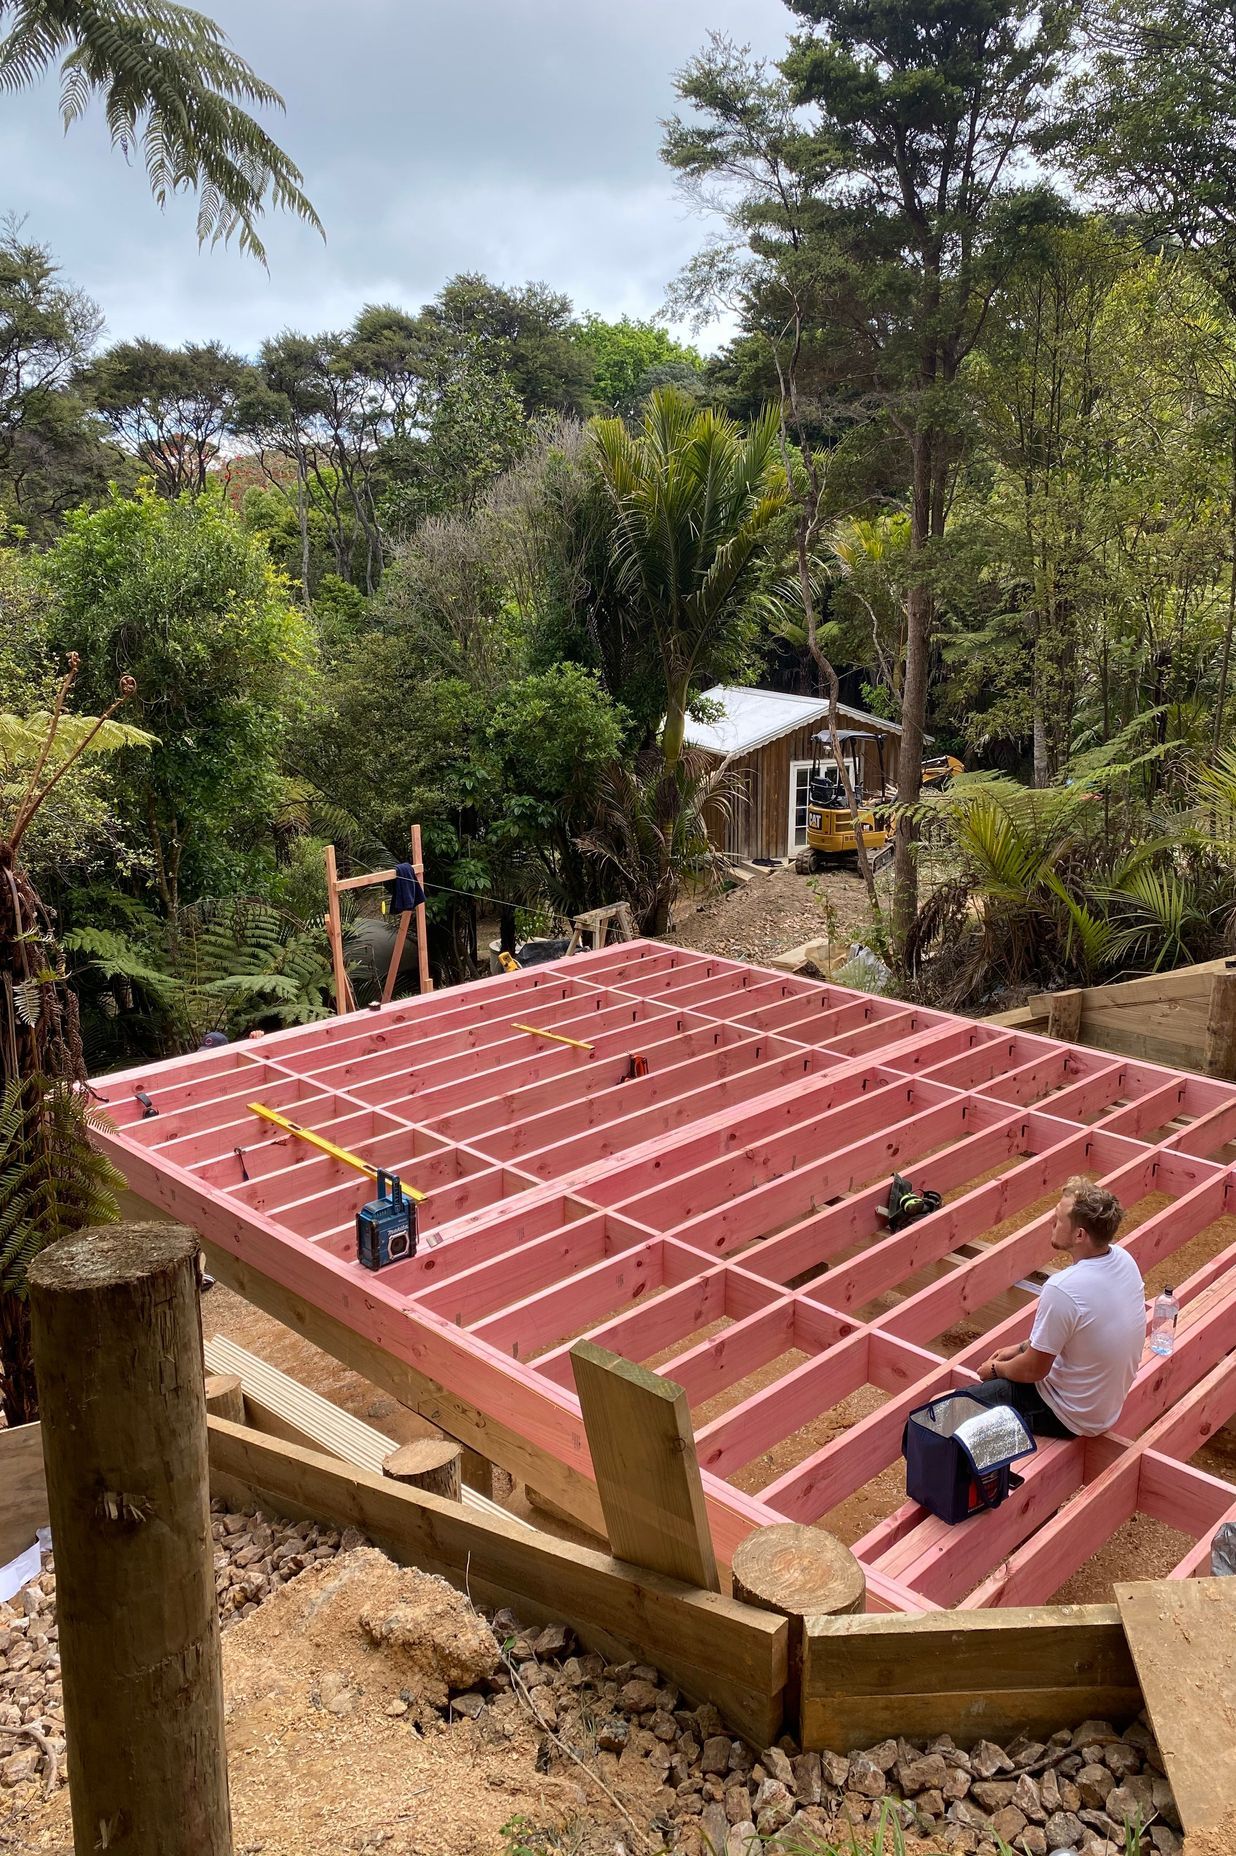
(429, 1463)
(422, 943)
(643, 1457)
(118, 1352)
(1064, 1016)
(224, 1397)
(334, 934)
(798, 1572)
(1220, 1058)
(477, 1472)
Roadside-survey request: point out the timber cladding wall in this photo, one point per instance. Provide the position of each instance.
(758, 820)
(972, 1674)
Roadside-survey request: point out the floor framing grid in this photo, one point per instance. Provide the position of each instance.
(718, 1218)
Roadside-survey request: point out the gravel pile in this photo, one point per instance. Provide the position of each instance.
(1077, 1791)
(701, 1791)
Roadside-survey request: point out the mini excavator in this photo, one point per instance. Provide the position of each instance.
(830, 823)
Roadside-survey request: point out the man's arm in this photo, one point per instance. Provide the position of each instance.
(1024, 1365)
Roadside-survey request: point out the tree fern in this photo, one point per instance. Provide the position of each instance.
(173, 88)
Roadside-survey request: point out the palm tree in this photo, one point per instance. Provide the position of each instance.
(172, 86)
(693, 503)
(52, 1181)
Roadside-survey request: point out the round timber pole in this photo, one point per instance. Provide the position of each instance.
(800, 1573)
(118, 1358)
(429, 1463)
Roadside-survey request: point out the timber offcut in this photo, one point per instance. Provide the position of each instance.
(689, 1173)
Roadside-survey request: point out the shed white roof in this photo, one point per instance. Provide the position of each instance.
(753, 718)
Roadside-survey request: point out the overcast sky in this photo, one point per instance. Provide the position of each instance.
(517, 138)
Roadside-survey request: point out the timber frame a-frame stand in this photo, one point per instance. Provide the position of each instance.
(345, 999)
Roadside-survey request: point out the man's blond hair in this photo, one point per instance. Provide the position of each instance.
(1094, 1208)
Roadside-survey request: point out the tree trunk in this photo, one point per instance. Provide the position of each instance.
(118, 1344)
(910, 763)
(1225, 659)
(18, 1395)
(674, 732)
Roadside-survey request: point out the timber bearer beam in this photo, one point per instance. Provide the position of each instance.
(117, 1333)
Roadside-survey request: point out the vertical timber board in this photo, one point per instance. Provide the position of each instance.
(1064, 1016)
(972, 1674)
(1220, 1053)
(1182, 1634)
(23, 1489)
(643, 1456)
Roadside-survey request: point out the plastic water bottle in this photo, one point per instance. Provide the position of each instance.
(1163, 1323)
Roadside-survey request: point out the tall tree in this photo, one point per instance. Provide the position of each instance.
(1153, 132)
(169, 407)
(180, 596)
(526, 334)
(878, 190)
(172, 87)
(694, 506)
(47, 330)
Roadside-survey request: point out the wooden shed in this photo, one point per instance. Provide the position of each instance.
(766, 739)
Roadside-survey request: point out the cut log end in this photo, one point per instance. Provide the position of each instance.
(798, 1571)
(102, 1255)
(225, 1397)
(429, 1463)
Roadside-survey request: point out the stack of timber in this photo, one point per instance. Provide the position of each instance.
(280, 1406)
(1185, 1019)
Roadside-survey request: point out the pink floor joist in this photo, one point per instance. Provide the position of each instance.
(718, 1218)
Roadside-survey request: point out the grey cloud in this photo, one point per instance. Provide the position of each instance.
(513, 137)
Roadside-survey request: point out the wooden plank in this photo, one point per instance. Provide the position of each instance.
(1220, 1053)
(1182, 1635)
(23, 1490)
(643, 1456)
(1064, 1015)
(974, 1675)
(422, 936)
(714, 1648)
(280, 1406)
(334, 934)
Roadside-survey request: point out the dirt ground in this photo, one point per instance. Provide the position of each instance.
(773, 913)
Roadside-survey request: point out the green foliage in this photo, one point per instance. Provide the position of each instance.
(1070, 883)
(51, 449)
(693, 503)
(51, 1182)
(169, 407)
(179, 596)
(232, 964)
(526, 334)
(628, 358)
(173, 88)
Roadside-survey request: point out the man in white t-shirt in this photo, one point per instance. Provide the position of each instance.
(1071, 1378)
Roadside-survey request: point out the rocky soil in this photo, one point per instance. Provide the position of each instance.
(335, 1660)
(772, 913)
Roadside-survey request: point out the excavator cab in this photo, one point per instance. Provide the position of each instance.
(830, 823)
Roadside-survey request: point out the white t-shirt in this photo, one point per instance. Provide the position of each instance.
(1092, 1316)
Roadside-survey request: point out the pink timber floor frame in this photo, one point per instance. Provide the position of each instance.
(738, 1181)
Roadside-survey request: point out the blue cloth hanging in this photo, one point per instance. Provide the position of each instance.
(407, 891)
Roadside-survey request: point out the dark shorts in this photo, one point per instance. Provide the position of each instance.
(1026, 1399)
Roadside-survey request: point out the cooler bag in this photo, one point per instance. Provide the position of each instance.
(958, 1454)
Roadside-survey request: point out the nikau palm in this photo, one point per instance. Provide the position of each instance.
(173, 87)
(694, 499)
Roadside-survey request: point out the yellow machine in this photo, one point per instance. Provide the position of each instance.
(830, 824)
